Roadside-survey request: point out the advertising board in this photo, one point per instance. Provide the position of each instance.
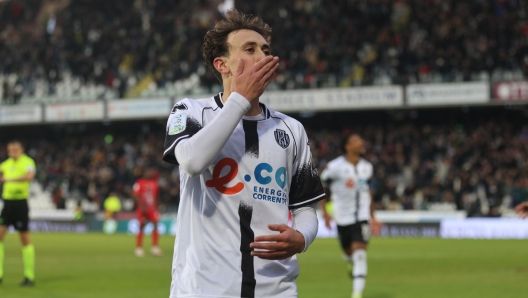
(71, 112)
(484, 228)
(510, 91)
(334, 99)
(20, 114)
(447, 94)
(139, 108)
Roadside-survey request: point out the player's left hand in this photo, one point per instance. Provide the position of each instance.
(278, 246)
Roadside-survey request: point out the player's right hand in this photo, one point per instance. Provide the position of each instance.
(252, 82)
(328, 221)
(522, 209)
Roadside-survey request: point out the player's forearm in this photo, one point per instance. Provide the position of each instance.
(322, 205)
(372, 206)
(305, 221)
(21, 179)
(198, 152)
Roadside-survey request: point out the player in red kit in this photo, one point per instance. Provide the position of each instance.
(146, 192)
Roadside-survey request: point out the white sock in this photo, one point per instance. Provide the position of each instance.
(348, 258)
(360, 271)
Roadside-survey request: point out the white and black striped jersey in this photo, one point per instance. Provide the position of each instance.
(349, 189)
(264, 170)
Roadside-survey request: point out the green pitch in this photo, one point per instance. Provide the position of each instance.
(102, 266)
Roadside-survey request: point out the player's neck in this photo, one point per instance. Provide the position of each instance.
(352, 158)
(255, 109)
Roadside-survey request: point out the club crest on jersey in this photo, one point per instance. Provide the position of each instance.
(177, 124)
(282, 138)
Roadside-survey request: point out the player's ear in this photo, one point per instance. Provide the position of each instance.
(220, 64)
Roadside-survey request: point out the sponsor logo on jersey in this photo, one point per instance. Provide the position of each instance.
(282, 138)
(177, 124)
(350, 183)
(263, 175)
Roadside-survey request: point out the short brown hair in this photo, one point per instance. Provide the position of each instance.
(215, 41)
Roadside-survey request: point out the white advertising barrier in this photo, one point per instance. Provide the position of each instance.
(74, 112)
(401, 223)
(484, 228)
(414, 216)
(139, 108)
(448, 94)
(334, 99)
(20, 114)
(324, 232)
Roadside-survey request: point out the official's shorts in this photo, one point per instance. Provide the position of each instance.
(15, 213)
(357, 232)
(148, 214)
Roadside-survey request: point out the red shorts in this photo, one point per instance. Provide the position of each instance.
(149, 214)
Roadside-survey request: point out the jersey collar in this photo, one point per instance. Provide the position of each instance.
(220, 104)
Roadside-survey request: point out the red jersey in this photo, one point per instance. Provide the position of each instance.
(147, 192)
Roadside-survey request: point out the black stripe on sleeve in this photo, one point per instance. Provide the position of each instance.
(306, 187)
(252, 138)
(245, 211)
(218, 101)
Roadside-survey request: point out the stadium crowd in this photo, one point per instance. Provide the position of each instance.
(480, 168)
(321, 43)
(91, 165)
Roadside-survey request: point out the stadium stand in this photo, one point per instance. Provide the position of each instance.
(479, 166)
(86, 166)
(475, 161)
(85, 50)
(63, 50)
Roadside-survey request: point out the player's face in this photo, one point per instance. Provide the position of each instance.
(14, 150)
(247, 45)
(355, 145)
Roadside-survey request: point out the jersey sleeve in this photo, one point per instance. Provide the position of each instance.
(184, 121)
(30, 166)
(370, 171)
(328, 175)
(306, 187)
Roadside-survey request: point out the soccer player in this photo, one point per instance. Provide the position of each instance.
(522, 209)
(16, 175)
(146, 192)
(347, 178)
(243, 166)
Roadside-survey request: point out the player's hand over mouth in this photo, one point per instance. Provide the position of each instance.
(252, 82)
(278, 246)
